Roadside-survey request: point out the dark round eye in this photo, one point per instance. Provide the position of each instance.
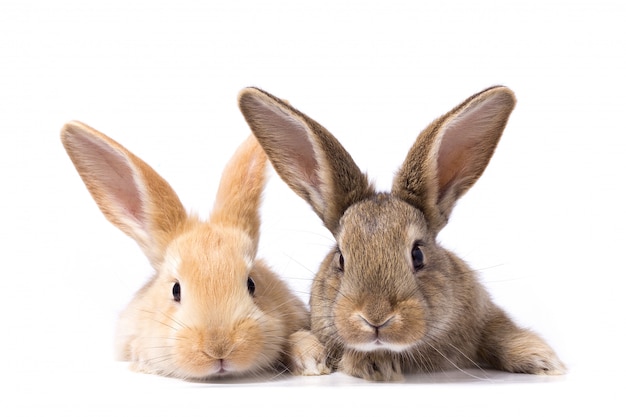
(176, 292)
(417, 256)
(341, 262)
(251, 286)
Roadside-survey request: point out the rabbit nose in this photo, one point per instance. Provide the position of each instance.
(219, 351)
(376, 324)
(219, 346)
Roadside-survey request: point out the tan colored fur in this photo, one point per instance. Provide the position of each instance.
(378, 312)
(218, 327)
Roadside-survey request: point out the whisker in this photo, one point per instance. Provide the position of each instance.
(476, 365)
(455, 365)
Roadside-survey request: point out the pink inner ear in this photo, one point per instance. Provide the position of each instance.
(452, 157)
(291, 138)
(110, 171)
(467, 144)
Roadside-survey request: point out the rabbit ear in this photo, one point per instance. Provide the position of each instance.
(451, 154)
(128, 191)
(305, 155)
(240, 191)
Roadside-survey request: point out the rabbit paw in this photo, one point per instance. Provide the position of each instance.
(371, 366)
(307, 356)
(531, 355)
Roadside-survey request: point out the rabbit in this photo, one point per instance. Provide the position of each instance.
(388, 300)
(212, 309)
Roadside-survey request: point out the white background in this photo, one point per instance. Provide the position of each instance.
(544, 226)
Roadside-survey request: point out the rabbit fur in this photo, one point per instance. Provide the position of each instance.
(388, 299)
(212, 308)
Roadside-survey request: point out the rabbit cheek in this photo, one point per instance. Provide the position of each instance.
(411, 323)
(352, 327)
(248, 347)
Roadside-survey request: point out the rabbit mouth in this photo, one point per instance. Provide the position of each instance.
(221, 367)
(392, 330)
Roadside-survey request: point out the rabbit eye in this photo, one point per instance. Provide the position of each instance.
(176, 292)
(251, 286)
(417, 256)
(341, 262)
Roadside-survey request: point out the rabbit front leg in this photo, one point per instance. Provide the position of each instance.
(371, 366)
(307, 355)
(507, 347)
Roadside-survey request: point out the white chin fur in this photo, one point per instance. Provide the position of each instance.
(374, 346)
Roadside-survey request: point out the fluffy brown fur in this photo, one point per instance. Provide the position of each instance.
(211, 309)
(389, 299)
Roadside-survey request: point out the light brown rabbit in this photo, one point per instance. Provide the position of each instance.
(388, 299)
(211, 309)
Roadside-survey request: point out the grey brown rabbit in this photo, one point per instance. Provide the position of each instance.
(388, 299)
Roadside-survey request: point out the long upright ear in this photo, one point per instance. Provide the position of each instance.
(241, 188)
(451, 154)
(128, 191)
(305, 155)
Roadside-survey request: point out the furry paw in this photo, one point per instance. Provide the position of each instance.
(371, 366)
(307, 355)
(529, 354)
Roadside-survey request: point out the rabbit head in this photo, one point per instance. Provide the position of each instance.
(212, 308)
(388, 298)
